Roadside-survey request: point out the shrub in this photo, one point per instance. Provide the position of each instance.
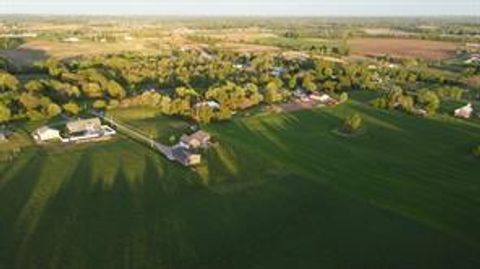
(353, 123)
(343, 97)
(379, 102)
(476, 151)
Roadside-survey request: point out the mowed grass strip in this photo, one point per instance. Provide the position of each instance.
(279, 191)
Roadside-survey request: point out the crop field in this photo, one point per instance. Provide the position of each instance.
(37, 50)
(426, 49)
(277, 191)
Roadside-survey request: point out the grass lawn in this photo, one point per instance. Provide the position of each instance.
(279, 191)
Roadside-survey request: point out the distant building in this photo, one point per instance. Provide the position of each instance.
(277, 71)
(474, 58)
(185, 157)
(211, 104)
(324, 99)
(46, 133)
(71, 40)
(472, 47)
(464, 112)
(3, 136)
(419, 112)
(195, 140)
(84, 126)
(87, 129)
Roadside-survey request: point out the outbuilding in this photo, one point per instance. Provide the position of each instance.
(464, 112)
(185, 157)
(46, 133)
(195, 140)
(84, 126)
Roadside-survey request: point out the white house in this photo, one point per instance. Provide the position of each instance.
(474, 58)
(71, 40)
(322, 98)
(3, 136)
(464, 112)
(46, 133)
(211, 104)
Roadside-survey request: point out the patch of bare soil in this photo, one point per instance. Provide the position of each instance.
(403, 48)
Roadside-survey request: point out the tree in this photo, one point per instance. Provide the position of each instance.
(92, 90)
(8, 82)
(34, 86)
(272, 94)
(380, 102)
(352, 123)
(343, 97)
(292, 82)
(308, 83)
(99, 104)
(224, 114)
(329, 85)
(71, 108)
(203, 114)
(5, 113)
(29, 101)
(115, 90)
(406, 102)
(53, 110)
(429, 99)
(476, 151)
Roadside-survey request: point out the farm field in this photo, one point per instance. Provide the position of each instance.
(398, 47)
(37, 50)
(278, 191)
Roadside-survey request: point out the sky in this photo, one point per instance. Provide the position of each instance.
(244, 7)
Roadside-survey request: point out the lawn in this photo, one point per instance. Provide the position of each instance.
(278, 191)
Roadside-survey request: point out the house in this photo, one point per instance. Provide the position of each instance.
(3, 136)
(71, 40)
(474, 58)
(46, 133)
(195, 140)
(419, 112)
(212, 104)
(322, 98)
(464, 112)
(238, 66)
(277, 71)
(84, 126)
(185, 157)
(87, 129)
(301, 95)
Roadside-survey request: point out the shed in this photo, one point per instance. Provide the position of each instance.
(185, 157)
(46, 133)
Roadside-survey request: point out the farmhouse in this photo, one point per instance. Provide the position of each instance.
(88, 129)
(46, 133)
(195, 140)
(185, 157)
(464, 112)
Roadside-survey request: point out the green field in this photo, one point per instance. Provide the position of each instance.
(278, 191)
